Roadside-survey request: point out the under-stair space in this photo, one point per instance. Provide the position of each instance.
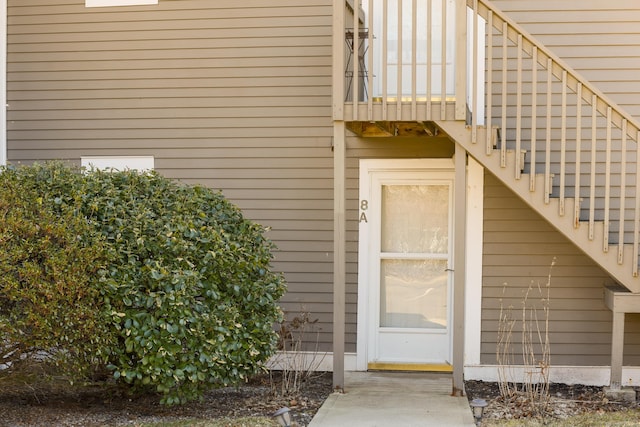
(620, 301)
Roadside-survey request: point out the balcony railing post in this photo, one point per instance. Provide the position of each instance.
(339, 7)
(428, 53)
(460, 61)
(355, 97)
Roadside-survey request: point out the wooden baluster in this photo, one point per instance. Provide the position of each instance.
(563, 143)
(488, 119)
(443, 84)
(576, 205)
(534, 117)
(503, 134)
(592, 173)
(636, 227)
(399, 69)
(414, 59)
(385, 59)
(429, 57)
(475, 94)
(623, 189)
(356, 59)
(370, 51)
(518, 166)
(607, 184)
(547, 154)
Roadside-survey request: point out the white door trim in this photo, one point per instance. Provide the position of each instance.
(473, 280)
(473, 294)
(365, 243)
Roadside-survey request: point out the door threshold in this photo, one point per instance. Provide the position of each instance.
(410, 367)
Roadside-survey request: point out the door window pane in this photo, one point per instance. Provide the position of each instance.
(415, 219)
(413, 294)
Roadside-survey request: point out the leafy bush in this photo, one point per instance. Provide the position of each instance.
(49, 306)
(188, 290)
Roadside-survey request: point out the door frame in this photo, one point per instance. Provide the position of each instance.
(388, 165)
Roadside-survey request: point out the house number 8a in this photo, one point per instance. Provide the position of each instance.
(364, 205)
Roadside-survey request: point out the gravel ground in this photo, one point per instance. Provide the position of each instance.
(49, 406)
(564, 401)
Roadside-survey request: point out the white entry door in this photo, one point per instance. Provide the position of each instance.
(405, 275)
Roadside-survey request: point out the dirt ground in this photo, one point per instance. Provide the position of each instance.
(50, 406)
(564, 401)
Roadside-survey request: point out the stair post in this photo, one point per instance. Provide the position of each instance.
(339, 233)
(461, 60)
(459, 267)
(620, 301)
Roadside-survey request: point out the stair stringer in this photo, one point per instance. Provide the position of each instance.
(577, 233)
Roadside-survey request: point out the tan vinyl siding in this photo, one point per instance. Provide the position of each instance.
(519, 247)
(233, 95)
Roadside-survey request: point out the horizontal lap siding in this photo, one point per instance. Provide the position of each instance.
(519, 247)
(233, 95)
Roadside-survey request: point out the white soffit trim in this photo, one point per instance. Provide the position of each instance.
(105, 3)
(119, 163)
(473, 280)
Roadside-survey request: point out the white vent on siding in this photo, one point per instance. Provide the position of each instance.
(120, 163)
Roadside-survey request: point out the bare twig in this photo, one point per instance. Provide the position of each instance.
(296, 365)
(536, 349)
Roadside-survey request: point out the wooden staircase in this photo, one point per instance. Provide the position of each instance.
(581, 166)
(581, 170)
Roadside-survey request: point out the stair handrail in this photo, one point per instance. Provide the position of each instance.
(574, 77)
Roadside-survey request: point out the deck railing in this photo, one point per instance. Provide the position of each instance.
(405, 59)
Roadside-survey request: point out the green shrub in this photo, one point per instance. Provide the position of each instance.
(188, 289)
(49, 261)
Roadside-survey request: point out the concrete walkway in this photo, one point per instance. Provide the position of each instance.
(390, 399)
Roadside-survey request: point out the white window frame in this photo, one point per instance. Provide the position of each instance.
(106, 3)
(119, 163)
